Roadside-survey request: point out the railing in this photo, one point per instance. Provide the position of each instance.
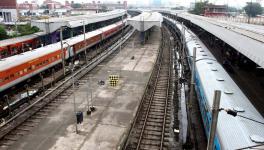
(253, 20)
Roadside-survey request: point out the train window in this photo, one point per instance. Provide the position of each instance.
(25, 70)
(16, 74)
(29, 68)
(12, 76)
(6, 78)
(33, 67)
(21, 72)
(1, 80)
(58, 56)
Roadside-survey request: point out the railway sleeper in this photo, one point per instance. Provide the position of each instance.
(158, 98)
(26, 125)
(158, 121)
(22, 129)
(6, 143)
(155, 107)
(153, 125)
(162, 83)
(153, 133)
(11, 138)
(151, 137)
(151, 113)
(160, 102)
(158, 105)
(151, 141)
(155, 117)
(157, 111)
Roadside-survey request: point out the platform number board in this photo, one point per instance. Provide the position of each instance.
(113, 80)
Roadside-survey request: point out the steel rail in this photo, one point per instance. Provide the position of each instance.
(166, 104)
(162, 63)
(148, 110)
(85, 68)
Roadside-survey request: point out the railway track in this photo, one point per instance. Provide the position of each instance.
(22, 122)
(151, 127)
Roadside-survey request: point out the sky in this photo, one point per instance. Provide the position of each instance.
(235, 3)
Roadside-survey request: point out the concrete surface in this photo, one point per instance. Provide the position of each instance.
(115, 106)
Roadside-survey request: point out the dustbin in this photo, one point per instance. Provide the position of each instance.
(79, 116)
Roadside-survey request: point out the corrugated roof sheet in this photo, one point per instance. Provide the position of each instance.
(146, 20)
(248, 46)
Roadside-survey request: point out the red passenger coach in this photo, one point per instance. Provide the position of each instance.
(18, 68)
(10, 47)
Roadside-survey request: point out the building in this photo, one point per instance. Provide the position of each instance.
(8, 10)
(28, 6)
(215, 10)
(50, 4)
(109, 6)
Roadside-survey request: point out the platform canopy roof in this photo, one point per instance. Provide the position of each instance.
(52, 24)
(146, 20)
(244, 38)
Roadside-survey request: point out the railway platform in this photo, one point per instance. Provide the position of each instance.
(115, 106)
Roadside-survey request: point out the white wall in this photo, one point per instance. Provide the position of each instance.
(9, 15)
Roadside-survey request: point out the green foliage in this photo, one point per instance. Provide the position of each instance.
(27, 29)
(3, 34)
(104, 8)
(253, 9)
(76, 5)
(44, 7)
(199, 8)
(178, 8)
(232, 9)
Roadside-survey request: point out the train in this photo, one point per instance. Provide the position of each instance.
(18, 45)
(232, 132)
(18, 68)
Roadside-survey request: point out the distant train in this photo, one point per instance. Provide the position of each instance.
(18, 45)
(18, 68)
(232, 132)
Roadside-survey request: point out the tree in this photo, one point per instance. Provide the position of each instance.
(76, 5)
(44, 7)
(199, 8)
(253, 9)
(232, 9)
(104, 8)
(3, 34)
(27, 29)
(178, 8)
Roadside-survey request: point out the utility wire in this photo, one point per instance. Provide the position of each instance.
(234, 114)
(251, 119)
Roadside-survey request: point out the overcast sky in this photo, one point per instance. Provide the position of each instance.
(235, 3)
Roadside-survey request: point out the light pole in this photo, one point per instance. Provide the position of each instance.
(74, 103)
(8, 104)
(250, 9)
(191, 98)
(215, 111)
(121, 44)
(62, 51)
(68, 49)
(85, 44)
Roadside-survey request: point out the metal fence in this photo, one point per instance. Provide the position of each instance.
(255, 20)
